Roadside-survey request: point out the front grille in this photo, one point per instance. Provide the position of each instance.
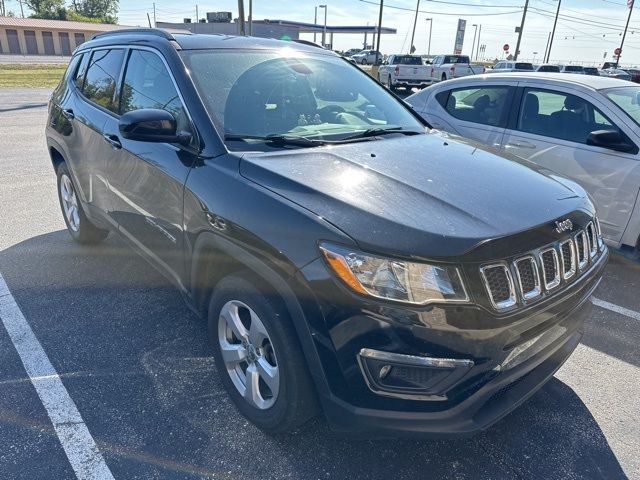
(528, 277)
(498, 280)
(532, 276)
(568, 259)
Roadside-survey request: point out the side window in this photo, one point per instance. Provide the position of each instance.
(80, 73)
(147, 84)
(560, 115)
(102, 77)
(483, 105)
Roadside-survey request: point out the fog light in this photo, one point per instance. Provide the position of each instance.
(410, 376)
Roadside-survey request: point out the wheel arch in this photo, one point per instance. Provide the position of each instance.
(215, 257)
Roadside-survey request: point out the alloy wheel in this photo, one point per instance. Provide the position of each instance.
(69, 202)
(248, 354)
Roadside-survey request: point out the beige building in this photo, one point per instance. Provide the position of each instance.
(33, 36)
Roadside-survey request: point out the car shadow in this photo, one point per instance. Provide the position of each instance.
(138, 365)
(23, 107)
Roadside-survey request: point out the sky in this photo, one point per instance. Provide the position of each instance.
(587, 31)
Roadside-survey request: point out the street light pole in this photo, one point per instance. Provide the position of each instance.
(430, 20)
(324, 30)
(524, 15)
(473, 45)
(625, 30)
(553, 32)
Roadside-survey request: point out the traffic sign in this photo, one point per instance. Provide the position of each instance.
(617, 51)
(505, 47)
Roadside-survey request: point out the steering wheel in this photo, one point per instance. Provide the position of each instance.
(330, 113)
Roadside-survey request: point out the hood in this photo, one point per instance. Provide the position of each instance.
(427, 196)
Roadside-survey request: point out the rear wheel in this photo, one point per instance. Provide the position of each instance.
(392, 87)
(78, 225)
(258, 356)
(444, 77)
(364, 61)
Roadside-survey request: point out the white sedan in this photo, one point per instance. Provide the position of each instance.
(585, 128)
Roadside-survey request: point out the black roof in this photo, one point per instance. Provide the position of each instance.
(189, 41)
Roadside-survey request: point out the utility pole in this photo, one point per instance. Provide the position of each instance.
(379, 31)
(243, 31)
(315, 22)
(625, 29)
(473, 45)
(430, 20)
(546, 50)
(415, 22)
(324, 30)
(21, 8)
(553, 32)
(154, 14)
(149, 19)
(524, 15)
(479, 34)
(195, 25)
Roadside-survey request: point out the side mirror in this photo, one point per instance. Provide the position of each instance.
(612, 140)
(152, 125)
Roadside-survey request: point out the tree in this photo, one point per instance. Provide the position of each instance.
(104, 10)
(45, 8)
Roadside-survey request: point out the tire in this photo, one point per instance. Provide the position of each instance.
(392, 87)
(78, 225)
(268, 336)
(444, 77)
(364, 61)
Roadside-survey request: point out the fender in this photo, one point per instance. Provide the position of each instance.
(208, 242)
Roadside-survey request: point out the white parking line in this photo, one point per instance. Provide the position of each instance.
(616, 308)
(82, 451)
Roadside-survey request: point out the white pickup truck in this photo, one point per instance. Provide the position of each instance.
(406, 71)
(445, 67)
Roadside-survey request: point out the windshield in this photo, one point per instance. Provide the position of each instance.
(627, 98)
(259, 93)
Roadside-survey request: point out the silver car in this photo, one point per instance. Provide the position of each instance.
(366, 57)
(505, 66)
(586, 128)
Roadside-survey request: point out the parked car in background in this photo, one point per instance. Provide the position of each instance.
(576, 69)
(583, 127)
(635, 74)
(505, 66)
(367, 57)
(445, 67)
(406, 71)
(548, 67)
(591, 71)
(617, 73)
(346, 259)
(351, 52)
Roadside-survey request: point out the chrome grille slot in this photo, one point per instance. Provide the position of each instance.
(592, 238)
(568, 259)
(582, 249)
(528, 277)
(499, 285)
(550, 268)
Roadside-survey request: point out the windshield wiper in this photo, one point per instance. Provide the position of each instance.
(279, 140)
(377, 131)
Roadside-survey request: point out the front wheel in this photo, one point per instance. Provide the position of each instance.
(258, 356)
(392, 87)
(444, 77)
(78, 225)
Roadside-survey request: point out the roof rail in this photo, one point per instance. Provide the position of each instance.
(136, 31)
(308, 42)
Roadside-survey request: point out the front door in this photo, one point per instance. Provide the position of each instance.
(552, 129)
(146, 179)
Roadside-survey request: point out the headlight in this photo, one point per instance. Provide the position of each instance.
(417, 283)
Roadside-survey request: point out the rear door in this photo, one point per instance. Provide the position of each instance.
(146, 179)
(551, 129)
(94, 112)
(478, 112)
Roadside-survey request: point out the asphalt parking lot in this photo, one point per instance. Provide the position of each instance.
(136, 365)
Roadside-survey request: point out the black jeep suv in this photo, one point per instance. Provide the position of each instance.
(349, 260)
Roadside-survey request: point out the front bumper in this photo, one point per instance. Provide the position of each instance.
(491, 389)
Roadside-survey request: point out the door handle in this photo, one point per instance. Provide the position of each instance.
(112, 140)
(521, 145)
(68, 113)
